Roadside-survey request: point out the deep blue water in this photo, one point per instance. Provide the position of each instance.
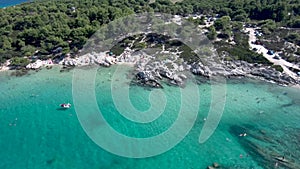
(6, 3)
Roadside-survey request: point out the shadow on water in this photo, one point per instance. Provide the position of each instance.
(67, 69)
(61, 109)
(287, 105)
(268, 147)
(51, 161)
(19, 73)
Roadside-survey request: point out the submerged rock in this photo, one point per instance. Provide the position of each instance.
(145, 78)
(19, 73)
(216, 165)
(264, 149)
(210, 167)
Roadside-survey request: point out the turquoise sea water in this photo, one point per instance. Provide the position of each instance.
(35, 134)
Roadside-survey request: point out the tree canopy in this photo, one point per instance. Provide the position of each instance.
(46, 25)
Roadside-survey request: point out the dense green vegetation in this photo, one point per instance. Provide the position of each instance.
(47, 25)
(293, 38)
(240, 51)
(278, 68)
(39, 28)
(19, 61)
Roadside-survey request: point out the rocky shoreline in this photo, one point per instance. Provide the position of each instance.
(151, 69)
(167, 64)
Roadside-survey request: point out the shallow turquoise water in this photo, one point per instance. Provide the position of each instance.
(36, 134)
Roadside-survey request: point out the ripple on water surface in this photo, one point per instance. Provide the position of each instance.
(36, 134)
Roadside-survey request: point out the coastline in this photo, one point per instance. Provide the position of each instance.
(170, 65)
(151, 68)
(296, 86)
(165, 65)
(157, 66)
(62, 65)
(4, 68)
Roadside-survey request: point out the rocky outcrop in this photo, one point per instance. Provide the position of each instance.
(241, 69)
(36, 65)
(155, 66)
(146, 78)
(272, 75)
(102, 59)
(39, 64)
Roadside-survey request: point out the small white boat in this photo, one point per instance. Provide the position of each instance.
(65, 105)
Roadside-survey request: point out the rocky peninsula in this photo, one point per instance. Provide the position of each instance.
(168, 66)
(157, 60)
